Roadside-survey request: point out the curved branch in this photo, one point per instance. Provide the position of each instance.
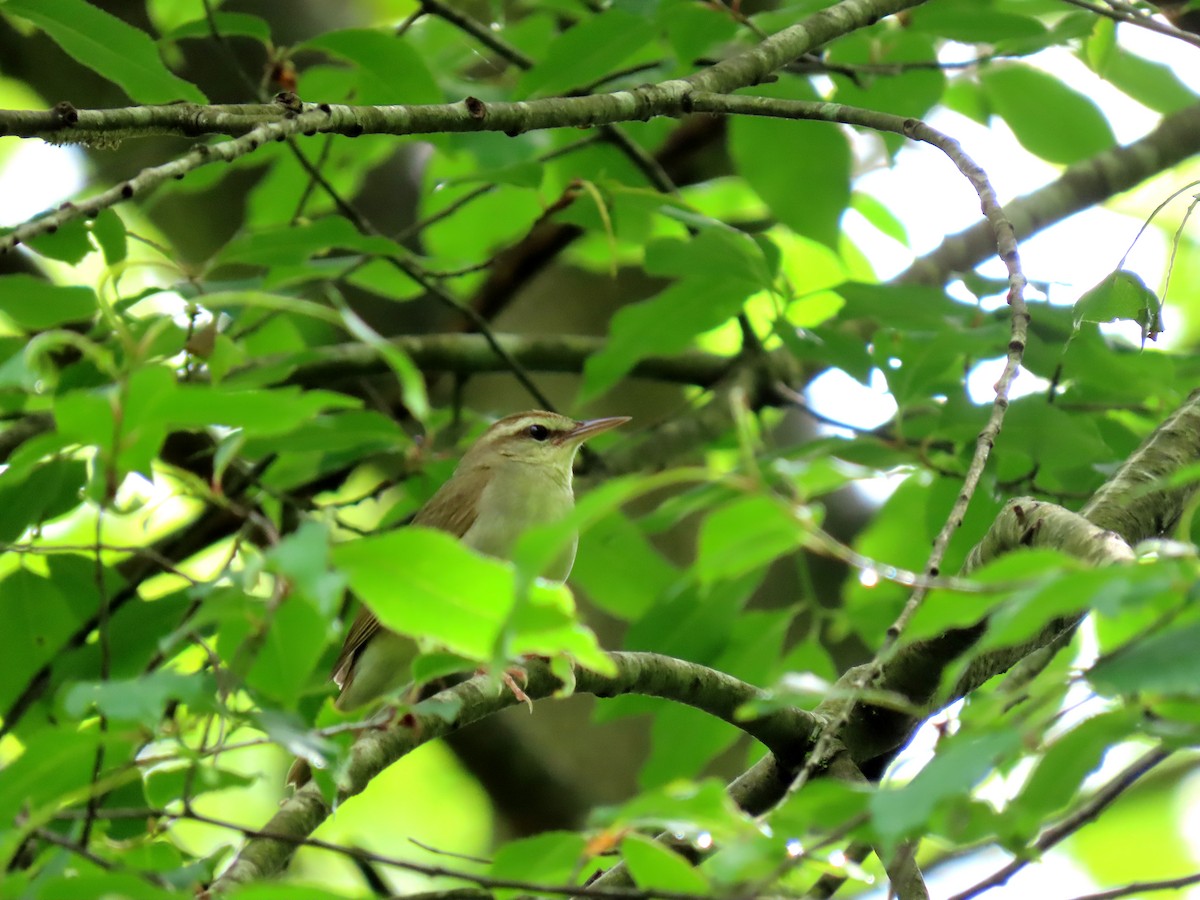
(914, 671)
(65, 123)
(1079, 187)
(787, 733)
(290, 117)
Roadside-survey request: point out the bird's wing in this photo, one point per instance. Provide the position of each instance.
(365, 625)
(440, 511)
(453, 513)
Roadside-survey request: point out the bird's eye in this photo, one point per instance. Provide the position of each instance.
(539, 432)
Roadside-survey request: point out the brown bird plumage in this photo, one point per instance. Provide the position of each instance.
(516, 475)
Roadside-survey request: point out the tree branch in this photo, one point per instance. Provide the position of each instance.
(787, 733)
(1081, 186)
(289, 116)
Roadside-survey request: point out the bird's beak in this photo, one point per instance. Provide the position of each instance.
(592, 427)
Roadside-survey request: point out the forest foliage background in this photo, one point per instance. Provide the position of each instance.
(321, 247)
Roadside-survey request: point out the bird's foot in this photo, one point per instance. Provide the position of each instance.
(509, 675)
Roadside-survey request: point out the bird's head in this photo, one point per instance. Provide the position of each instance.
(537, 438)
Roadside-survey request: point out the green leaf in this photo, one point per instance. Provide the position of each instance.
(125, 885)
(228, 24)
(683, 742)
(975, 25)
(1050, 119)
(880, 216)
(302, 557)
(35, 304)
(1060, 772)
(717, 271)
(166, 784)
(425, 584)
(109, 232)
(422, 582)
(910, 92)
(656, 867)
(550, 858)
(1121, 296)
(362, 430)
(296, 244)
(1150, 83)
(109, 47)
(48, 768)
(272, 412)
(587, 51)
(807, 189)
(389, 69)
(38, 620)
(618, 568)
(290, 651)
(744, 536)
(681, 807)
(1101, 43)
(141, 700)
(44, 493)
(68, 243)
(961, 763)
(694, 30)
(1163, 663)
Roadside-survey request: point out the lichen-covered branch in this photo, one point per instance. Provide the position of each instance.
(291, 117)
(788, 733)
(914, 671)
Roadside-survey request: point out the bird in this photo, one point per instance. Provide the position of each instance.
(517, 475)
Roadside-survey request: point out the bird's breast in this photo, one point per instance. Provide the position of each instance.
(514, 502)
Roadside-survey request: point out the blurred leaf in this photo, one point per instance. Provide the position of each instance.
(389, 69)
(36, 496)
(227, 24)
(46, 770)
(880, 216)
(290, 650)
(68, 243)
(656, 867)
(619, 570)
(682, 807)
(141, 700)
(683, 741)
(38, 620)
(586, 51)
(716, 271)
(295, 244)
(981, 24)
(109, 232)
(1050, 119)
(1121, 296)
(1162, 663)
(109, 47)
(961, 762)
(125, 885)
(743, 536)
(1070, 758)
(1153, 84)
(550, 858)
(694, 30)
(807, 189)
(166, 784)
(34, 304)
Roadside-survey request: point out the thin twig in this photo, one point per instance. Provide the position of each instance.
(1144, 887)
(1146, 22)
(1095, 805)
